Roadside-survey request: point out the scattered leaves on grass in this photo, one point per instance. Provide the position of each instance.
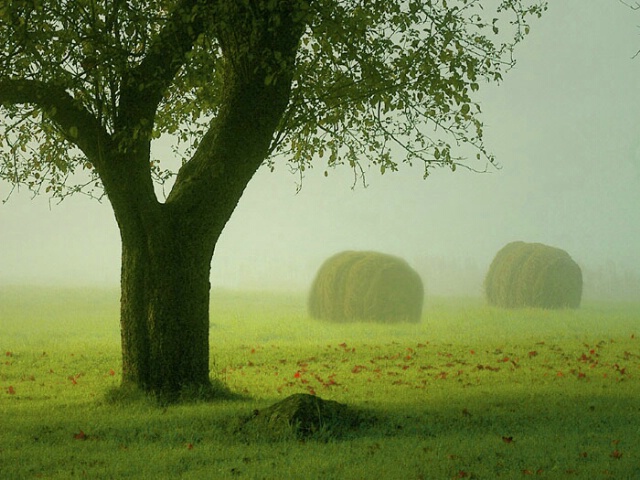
(528, 471)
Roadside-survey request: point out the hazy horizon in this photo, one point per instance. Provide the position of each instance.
(563, 125)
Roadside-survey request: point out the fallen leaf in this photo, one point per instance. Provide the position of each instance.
(80, 435)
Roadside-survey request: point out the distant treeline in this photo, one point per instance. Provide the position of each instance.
(464, 277)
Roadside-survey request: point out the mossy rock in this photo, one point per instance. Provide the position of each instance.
(533, 275)
(366, 286)
(302, 416)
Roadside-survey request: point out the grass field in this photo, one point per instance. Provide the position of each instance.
(471, 392)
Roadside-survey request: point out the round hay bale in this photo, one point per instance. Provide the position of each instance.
(366, 286)
(533, 275)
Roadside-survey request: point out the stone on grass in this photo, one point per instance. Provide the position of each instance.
(302, 416)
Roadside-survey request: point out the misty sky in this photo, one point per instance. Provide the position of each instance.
(564, 125)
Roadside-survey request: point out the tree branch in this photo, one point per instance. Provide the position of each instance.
(143, 87)
(75, 122)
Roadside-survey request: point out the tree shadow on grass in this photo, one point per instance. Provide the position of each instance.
(216, 391)
(508, 417)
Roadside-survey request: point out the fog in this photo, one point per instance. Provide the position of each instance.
(564, 125)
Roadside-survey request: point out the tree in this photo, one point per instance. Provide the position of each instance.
(87, 86)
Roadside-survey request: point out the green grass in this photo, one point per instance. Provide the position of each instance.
(471, 392)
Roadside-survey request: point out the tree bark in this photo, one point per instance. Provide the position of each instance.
(165, 310)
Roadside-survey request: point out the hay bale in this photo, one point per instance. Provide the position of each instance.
(533, 275)
(366, 286)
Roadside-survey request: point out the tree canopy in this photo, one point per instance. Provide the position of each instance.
(368, 77)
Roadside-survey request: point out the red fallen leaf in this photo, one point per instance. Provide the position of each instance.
(297, 374)
(343, 345)
(311, 391)
(80, 435)
(533, 353)
(462, 474)
(559, 374)
(189, 446)
(112, 372)
(9, 354)
(581, 375)
(357, 369)
(617, 454)
(253, 350)
(507, 439)
(11, 390)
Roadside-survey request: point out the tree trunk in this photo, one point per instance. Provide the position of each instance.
(167, 248)
(165, 309)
